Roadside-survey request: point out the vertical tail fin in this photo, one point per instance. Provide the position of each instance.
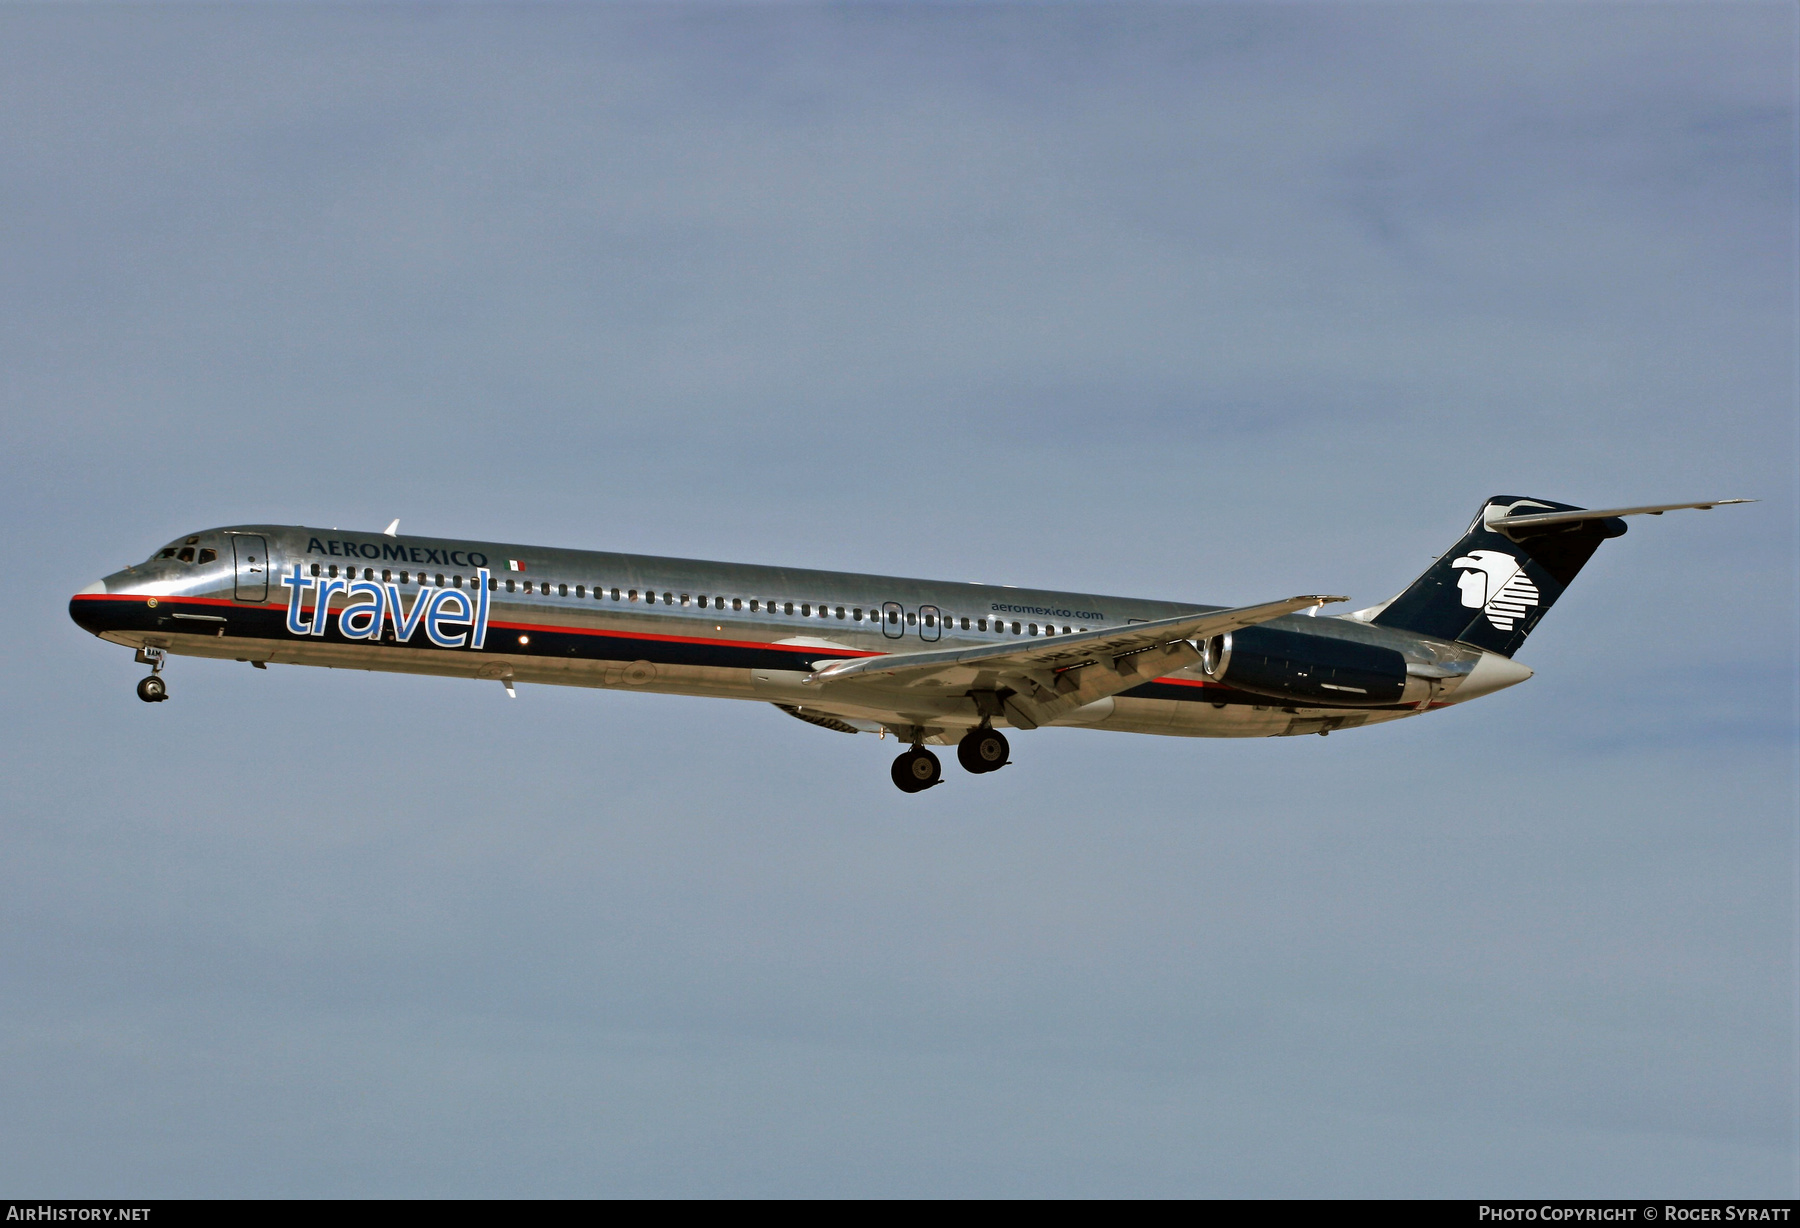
(1491, 589)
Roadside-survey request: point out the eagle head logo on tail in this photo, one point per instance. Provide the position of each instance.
(1495, 583)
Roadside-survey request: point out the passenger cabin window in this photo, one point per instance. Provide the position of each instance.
(562, 590)
(1015, 628)
(315, 569)
(911, 618)
(509, 584)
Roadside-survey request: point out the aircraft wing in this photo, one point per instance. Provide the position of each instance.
(1056, 674)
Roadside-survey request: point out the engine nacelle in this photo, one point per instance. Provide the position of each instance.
(1301, 668)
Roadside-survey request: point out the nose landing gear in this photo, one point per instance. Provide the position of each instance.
(152, 690)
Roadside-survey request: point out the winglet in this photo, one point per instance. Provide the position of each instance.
(392, 529)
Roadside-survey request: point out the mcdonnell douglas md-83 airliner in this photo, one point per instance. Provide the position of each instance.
(931, 662)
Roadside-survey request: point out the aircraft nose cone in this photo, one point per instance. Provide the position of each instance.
(90, 614)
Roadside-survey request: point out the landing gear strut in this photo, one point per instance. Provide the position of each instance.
(916, 770)
(152, 690)
(983, 750)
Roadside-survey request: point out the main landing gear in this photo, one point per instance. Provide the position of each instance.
(917, 770)
(152, 690)
(982, 750)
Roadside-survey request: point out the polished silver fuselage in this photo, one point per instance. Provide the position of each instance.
(680, 626)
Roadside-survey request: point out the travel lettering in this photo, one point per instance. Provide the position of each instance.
(368, 607)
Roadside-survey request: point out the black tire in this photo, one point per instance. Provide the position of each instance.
(152, 690)
(983, 750)
(916, 771)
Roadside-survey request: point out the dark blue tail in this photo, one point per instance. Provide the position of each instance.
(1491, 589)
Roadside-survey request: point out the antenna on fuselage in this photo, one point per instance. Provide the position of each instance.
(390, 530)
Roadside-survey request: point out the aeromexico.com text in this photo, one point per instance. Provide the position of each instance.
(999, 607)
(451, 617)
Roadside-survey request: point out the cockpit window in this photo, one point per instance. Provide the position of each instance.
(186, 555)
(208, 555)
(168, 553)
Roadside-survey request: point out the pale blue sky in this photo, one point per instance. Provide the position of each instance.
(1209, 302)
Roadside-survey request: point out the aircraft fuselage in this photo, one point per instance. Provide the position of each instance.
(531, 614)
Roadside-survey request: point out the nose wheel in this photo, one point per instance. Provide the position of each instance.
(152, 690)
(917, 770)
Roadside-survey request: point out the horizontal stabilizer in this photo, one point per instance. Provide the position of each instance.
(1545, 519)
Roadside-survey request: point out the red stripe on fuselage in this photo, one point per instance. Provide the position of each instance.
(1223, 686)
(239, 605)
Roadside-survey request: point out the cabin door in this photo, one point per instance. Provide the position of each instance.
(251, 554)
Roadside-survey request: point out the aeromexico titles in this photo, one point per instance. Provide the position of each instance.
(935, 663)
